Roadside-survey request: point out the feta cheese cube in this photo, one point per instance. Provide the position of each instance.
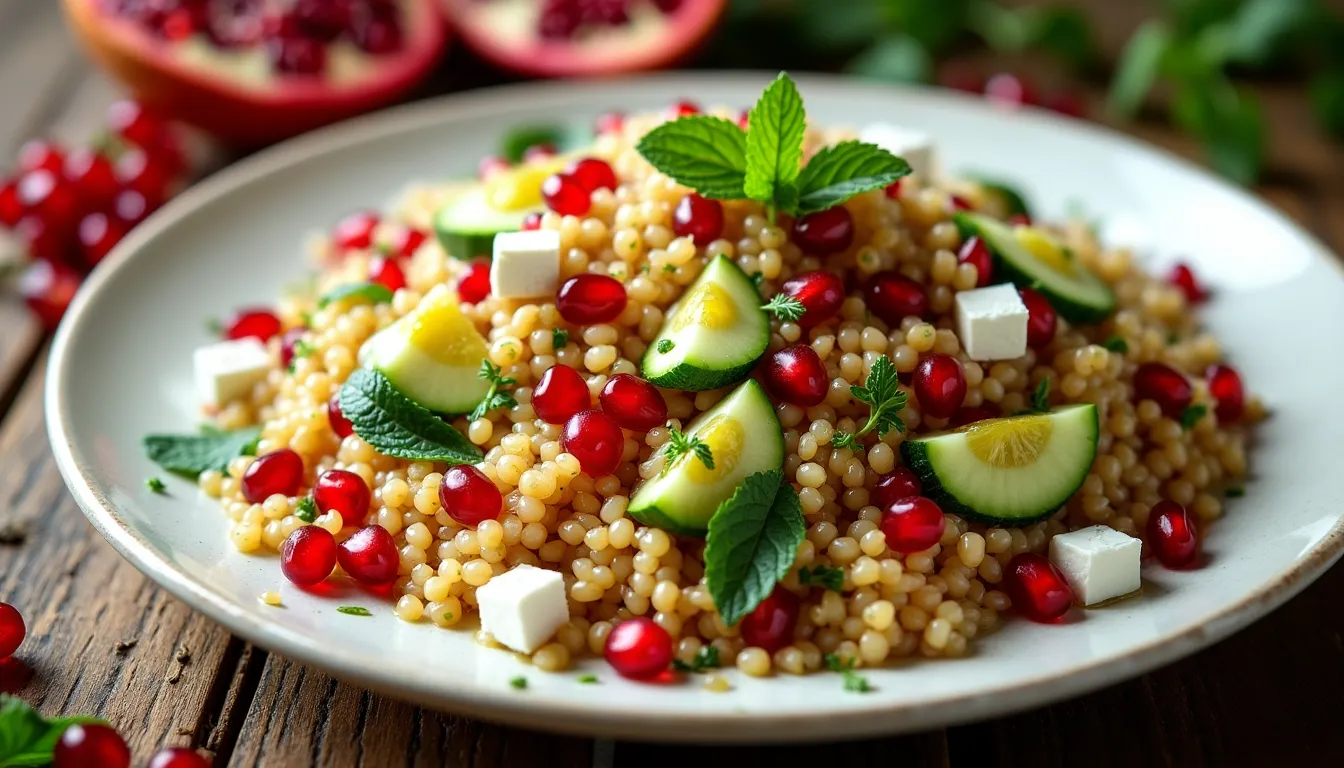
(992, 323)
(526, 264)
(523, 607)
(1099, 563)
(228, 370)
(914, 146)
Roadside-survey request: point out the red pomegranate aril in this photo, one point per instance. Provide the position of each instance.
(1067, 103)
(770, 624)
(638, 649)
(468, 496)
(11, 208)
(1183, 277)
(178, 757)
(958, 203)
(90, 746)
(132, 207)
(1019, 220)
(744, 119)
(1037, 588)
(976, 253)
(698, 218)
(474, 286)
(132, 122)
(289, 345)
(912, 524)
(683, 108)
(376, 28)
(42, 240)
(258, 323)
(611, 122)
(1042, 320)
(894, 297)
(50, 197)
(279, 472)
(1172, 535)
(893, 190)
(355, 231)
(404, 242)
(899, 483)
(824, 232)
(340, 425)
(343, 491)
(821, 294)
(308, 555)
(369, 556)
(592, 174)
(491, 165)
(973, 414)
(1226, 388)
(590, 298)
(94, 177)
(565, 195)
(797, 375)
(633, 402)
(531, 222)
(963, 80)
(387, 272)
(38, 154)
(322, 20)
(98, 233)
(940, 386)
(1165, 386)
(560, 394)
(48, 288)
(12, 630)
(297, 55)
(136, 169)
(596, 440)
(1008, 90)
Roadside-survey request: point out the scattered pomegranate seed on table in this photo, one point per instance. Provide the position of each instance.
(468, 496)
(48, 289)
(560, 394)
(1172, 535)
(308, 555)
(770, 624)
(12, 630)
(638, 649)
(1037, 588)
(91, 746)
(178, 757)
(279, 472)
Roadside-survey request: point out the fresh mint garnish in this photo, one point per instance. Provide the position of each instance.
(785, 307)
(399, 427)
(28, 738)
(1116, 343)
(705, 658)
(559, 338)
(839, 172)
(306, 509)
(821, 576)
(495, 397)
(853, 681)
(884, 398)
(155, 485)
(665, 346)
(778, 125)
(1040, 398)
(752, 541)
(190, 455)
(373, 293)
(680, 444)
(354, 610)
(707, 154)
(1192, 414)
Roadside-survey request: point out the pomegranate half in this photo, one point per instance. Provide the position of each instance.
(252, 72)
(576, 38)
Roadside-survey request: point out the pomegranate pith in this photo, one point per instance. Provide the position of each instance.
(821, 294)
(48, 288)
(770, 624)
(797, 375)
(468, 496)
(596, 440)
(940, 385)
(1172, 535)
(308, 555)
(1037, 588)
(633, 402)
(638, 649)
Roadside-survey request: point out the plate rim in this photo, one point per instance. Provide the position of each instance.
(472, 700)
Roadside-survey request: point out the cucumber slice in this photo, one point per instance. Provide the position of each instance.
(1077, 294)
(1010, 199)
(466, 225)
(1008, 472)
(744, 437)
(713, 335)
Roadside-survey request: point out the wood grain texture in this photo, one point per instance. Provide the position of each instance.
(923, 750)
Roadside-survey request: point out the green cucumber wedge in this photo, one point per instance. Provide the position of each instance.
(1007, 472)
(744, 437)
(713, 335)
(1011, 200)
(467, 224)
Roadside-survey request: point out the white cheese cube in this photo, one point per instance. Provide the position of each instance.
(523, 607)
(992, 323)
(228, 370)
(1099, 563)
(915, 147)
(526, 264)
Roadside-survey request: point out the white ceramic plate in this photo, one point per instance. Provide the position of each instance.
(121, 369)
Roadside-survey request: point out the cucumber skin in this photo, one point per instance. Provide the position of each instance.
(693, 378)
(653, 516)
(476, 245)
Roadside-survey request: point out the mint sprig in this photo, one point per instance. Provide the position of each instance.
(839, 172)
(752, 541)
(190, 455)
(28, 738)
(399, 427)
(884, 398)
(778, 125)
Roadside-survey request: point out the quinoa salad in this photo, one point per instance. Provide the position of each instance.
(719, 388)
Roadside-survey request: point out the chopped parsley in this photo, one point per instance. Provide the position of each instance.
(354, 610)
(495, 397)
(519, 682)
(155, 485)
(1040, 398)
(852, 681)
(705, 658)
(1192, 414)
(785, 307)
(559, 338)
(681, 444)
(587, 679)
(1235, 492)
(1116, 343)
(821, 576)
(306, 509)
(665, 346)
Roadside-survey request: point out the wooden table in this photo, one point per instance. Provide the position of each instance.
(104, 640)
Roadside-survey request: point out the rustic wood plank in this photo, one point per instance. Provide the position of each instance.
(300, 716)
(923, 750)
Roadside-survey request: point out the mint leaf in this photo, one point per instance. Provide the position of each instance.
(707, 154)
(752, 541)
(821, 576)
(775, 144)
(844, 170)
(190, 455)
(307, 509)
(1138, 67)
(373, 293)
(354, 610)
(399, 427)
(27, 738)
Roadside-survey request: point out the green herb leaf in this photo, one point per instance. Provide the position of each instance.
(775, 144)
(190, 455)
(1260, 27)
(214, 327)
(896, 58)
(842, 439)
(519, 682)
(680, 444)
(1172, 338)
(821, 576)
(155, 485)
(757, 278)
(1234, 492)
(399, 427)
(26, 737)
(752, 541)
(705, 658)
(665, 346)
(1138, 67)
(306, 510)
(707, 154)
(1116, 343)
(587, 679)
(785, 307)
(1327, 98)
(1063, 32)
(354, 610)
(881, 391)
(559, 338)
(1228, 122)
(520, 138)
(852, 681)
(373, 293)
(495, 397)
(1192, 414)
(302, 348)
(1040, 397)
(843, 170)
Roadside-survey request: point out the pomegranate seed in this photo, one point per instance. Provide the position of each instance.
(94, 177)
(474, 286)
(132, 207)
(137, 170)
(375, 28)
(596, 440)
(468, 496)
(322, 20)
(14, 675)
(370, 556)
(491, 165)
(611, 122)
(1183, 277)
(963, 80)
(386, 272)
(633, 402)
(258, 323)
(897, 484)
(1019, 220)
(98, 233)
(770, 624)
(824, 232)
(1172, 535)
(1008, 90)
(132, 122)
(238, 24)
(308, 555)
(355, 231)
(698, 218)
(11, 208)
(565, 195)
(289, 343)
(590, 298)
(531, 222)
(39, 154)
(1042, 320)
(279, 472)
(958, 203)
(682, 108)
(49, 197)
(536, 152)
(1225, 386)
(976, 253)
(48, 288)
(1165, 386)
(560, 394)
(343, 491)
(1068, 103)
(796, 375)
(42, 240)
(744, 119)
(940, 385)
(894, 297)
(1037, 588)
(91, 746)
(593, 174)
(893, 190)
(297, 55)
(912, 524)
(821, 294)
(12, 630)
(971, 415)
(340, 425)
(178, 757)
(638, 648)
(405, 241)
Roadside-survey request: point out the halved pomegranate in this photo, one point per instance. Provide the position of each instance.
(257, 71)
(568, 38)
